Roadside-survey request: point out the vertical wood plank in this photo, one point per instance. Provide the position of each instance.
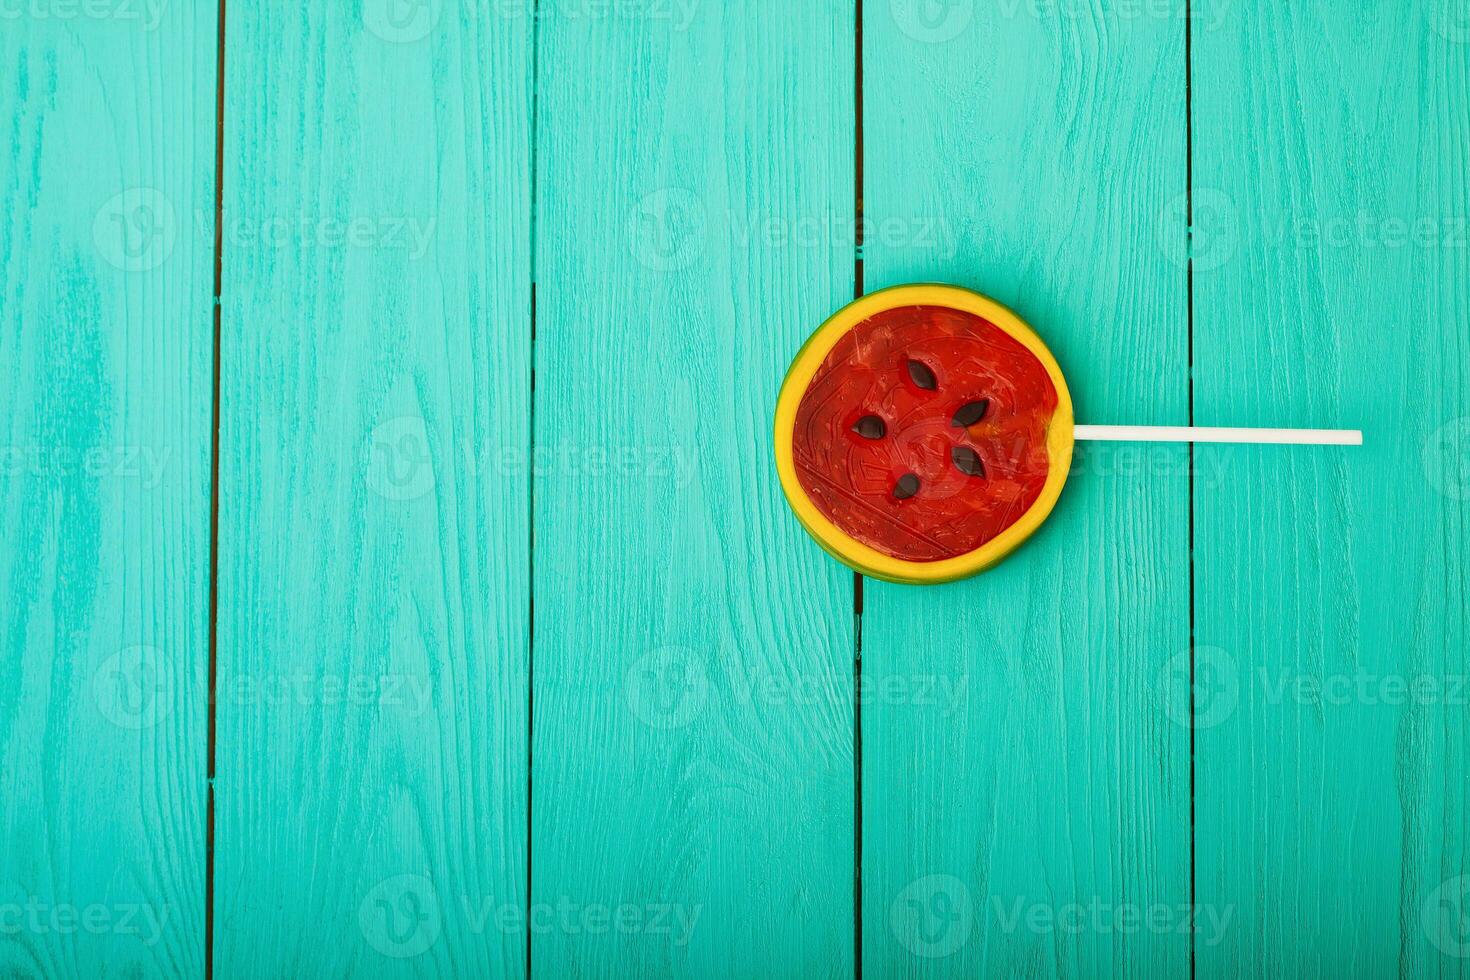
(373, 591)
(1332, 149)
(1026, 771)
(105, 298)
(692, 768)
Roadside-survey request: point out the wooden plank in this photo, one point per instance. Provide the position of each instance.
(1330, 187)
(1025, 769)
(692, 768)
(374, 538)
(104, 487)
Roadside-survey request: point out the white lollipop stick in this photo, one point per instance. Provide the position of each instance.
(1190, 433)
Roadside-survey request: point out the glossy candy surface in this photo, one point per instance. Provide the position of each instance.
(922, 433)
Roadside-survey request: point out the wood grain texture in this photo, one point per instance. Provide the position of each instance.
(1330, 201)
(1025, 768)
(692, 797)
(105, 293)
(373, 585)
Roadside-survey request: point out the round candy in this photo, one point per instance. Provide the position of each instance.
(923, 433)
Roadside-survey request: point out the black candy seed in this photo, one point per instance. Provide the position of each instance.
(967, 461)
(920, 375)
(970, 413)
(870, 427)
(906, 487)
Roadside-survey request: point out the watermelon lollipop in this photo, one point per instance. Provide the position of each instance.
(925, 431)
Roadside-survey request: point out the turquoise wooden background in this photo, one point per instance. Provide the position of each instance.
(395, 580)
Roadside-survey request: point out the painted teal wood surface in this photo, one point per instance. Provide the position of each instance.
(106, 174)
(1025, 777)
(662, 777)
(374, 493)
(1331, 155)
(693, 766)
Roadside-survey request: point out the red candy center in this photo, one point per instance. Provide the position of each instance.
(923, 433)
